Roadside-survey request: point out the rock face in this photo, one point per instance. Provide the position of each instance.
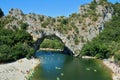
(16, 13)
(74, 31)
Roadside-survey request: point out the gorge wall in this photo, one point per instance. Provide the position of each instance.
(74, 31)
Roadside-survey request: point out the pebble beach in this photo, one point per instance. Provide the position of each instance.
(114, 67)
(19, 70)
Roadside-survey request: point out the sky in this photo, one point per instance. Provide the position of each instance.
(45, 7)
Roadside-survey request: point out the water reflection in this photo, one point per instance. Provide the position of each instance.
(51, 64)
(58, 66)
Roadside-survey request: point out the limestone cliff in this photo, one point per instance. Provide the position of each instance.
(74, 30)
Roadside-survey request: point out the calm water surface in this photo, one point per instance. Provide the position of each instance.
(58, 66)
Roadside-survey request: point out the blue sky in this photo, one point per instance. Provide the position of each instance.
(47, 7)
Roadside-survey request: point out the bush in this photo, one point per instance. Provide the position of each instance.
(24, 26)
(15, 45)
(117, 55)
(96, 49)
(64, 21)
(94, 18)
(22, 50)
(116, 7)
(93, 5)
(76, 40)
(102, 1)
(5, 50)
(45, 24)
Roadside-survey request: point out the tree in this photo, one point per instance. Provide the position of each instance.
(21, 50)
(117, 55)
(4, 51)
(45, 24)
(97, 49)
(1, 13)
(64, 21)
(15, 45)
(116, 7)
(22, 36)
(24, 26)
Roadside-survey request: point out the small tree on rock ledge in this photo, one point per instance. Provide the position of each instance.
(1, 13)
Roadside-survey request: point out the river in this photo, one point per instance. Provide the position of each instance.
(59, 66)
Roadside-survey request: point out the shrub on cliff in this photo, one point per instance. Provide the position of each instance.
(108, 41)
(24, 26)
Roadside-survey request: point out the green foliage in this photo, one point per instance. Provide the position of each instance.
(22, 36)
(76, 40)
(73, 15)
(97, 49)
(15, 45)
(64, 28)
(6, 37)
(52, 43)
(92, 11)
(5, 21)
(116, 7)
(102, 1)
(5, 52)
(117, 55)
(45, 24)
(23, 26)
(108, 42)
(82, 39)
(21, 50)
(93, 5)
(112, 31)
(1, 25)
(64, 21)
(41, 18)
(94, 18)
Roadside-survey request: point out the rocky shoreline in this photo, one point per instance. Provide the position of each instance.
(88, 57)
(23, 69)
(114, 67)
(111, 65)
(50, 49)
(18, 70)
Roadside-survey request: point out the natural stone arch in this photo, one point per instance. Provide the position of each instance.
(66, 50)
(84, 28)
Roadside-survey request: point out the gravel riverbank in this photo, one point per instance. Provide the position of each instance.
(18, 70)
(111, 65)
(114, 67)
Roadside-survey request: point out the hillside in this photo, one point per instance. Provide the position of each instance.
(107, 43)
(74, 31)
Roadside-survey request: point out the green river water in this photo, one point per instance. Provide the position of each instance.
(58, 66)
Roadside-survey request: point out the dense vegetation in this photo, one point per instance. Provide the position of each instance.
(14, 44)
(53, 43)
(108, 42)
